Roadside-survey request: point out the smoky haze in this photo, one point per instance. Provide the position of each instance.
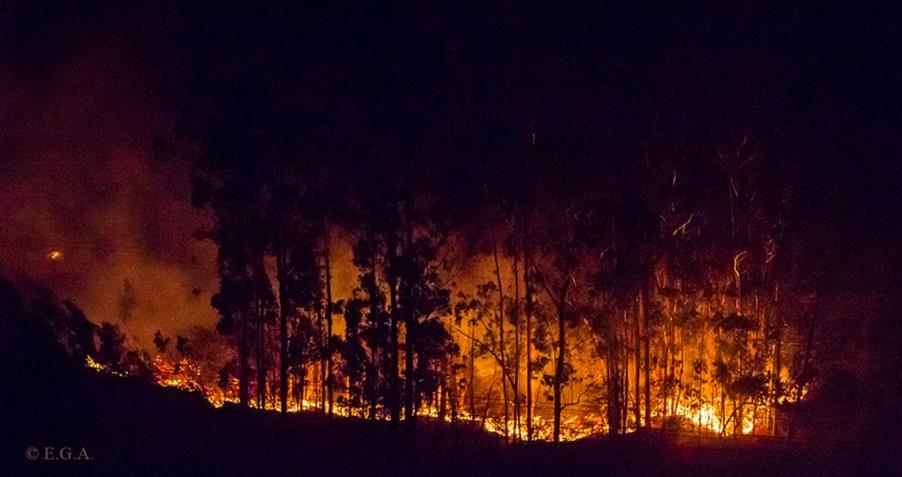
(80, 175)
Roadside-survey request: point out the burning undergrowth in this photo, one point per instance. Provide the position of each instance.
(203, 363)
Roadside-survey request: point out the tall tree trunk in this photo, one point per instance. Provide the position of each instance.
(243, 364)
(371, 378)
(625, 371)
(613, 380)
(299, 386)
(329, 310)
(244, 332)
(527, 290)
(440, 396)
(283, 323)
(777, 385)
(679, 395)
(409, 371)
(376, 353)
(393, 379)
(410, 322)
(472, 379)
(516, 316)
(638, 348)
(261, 364)
(723, 411)
(665, 353)
(394, 385)
(321, 333)
(643, 315)
(562, 349)
(504, 373)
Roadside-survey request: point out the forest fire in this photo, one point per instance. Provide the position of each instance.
(565, 331)
(279, 238)
(187, 376)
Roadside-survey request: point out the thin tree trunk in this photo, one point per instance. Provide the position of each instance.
(562, 349)
(302, 380)
(613, 379)
(243, 337)
(377, 359)
(625, 371)
(777, 385)
(410, 323)
(665, 382)
(529, 311)
(472, 380)
(440, 392)
(643, 314)
(679, 395)
(408, 370)
(261, 365)
(723, 411)
(393, 379)
(504, 373)
(329, 311)
(516, 312)
(321, 333)
(283, 323)
(243, 364)
(638, 347)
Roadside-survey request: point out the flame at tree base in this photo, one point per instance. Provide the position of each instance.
(703, 418)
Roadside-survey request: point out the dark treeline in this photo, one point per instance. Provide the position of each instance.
(662, 201)
(46, 340)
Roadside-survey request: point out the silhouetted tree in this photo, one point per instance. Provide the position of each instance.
(111, 348)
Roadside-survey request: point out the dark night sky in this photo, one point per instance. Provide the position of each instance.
(88, 87)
